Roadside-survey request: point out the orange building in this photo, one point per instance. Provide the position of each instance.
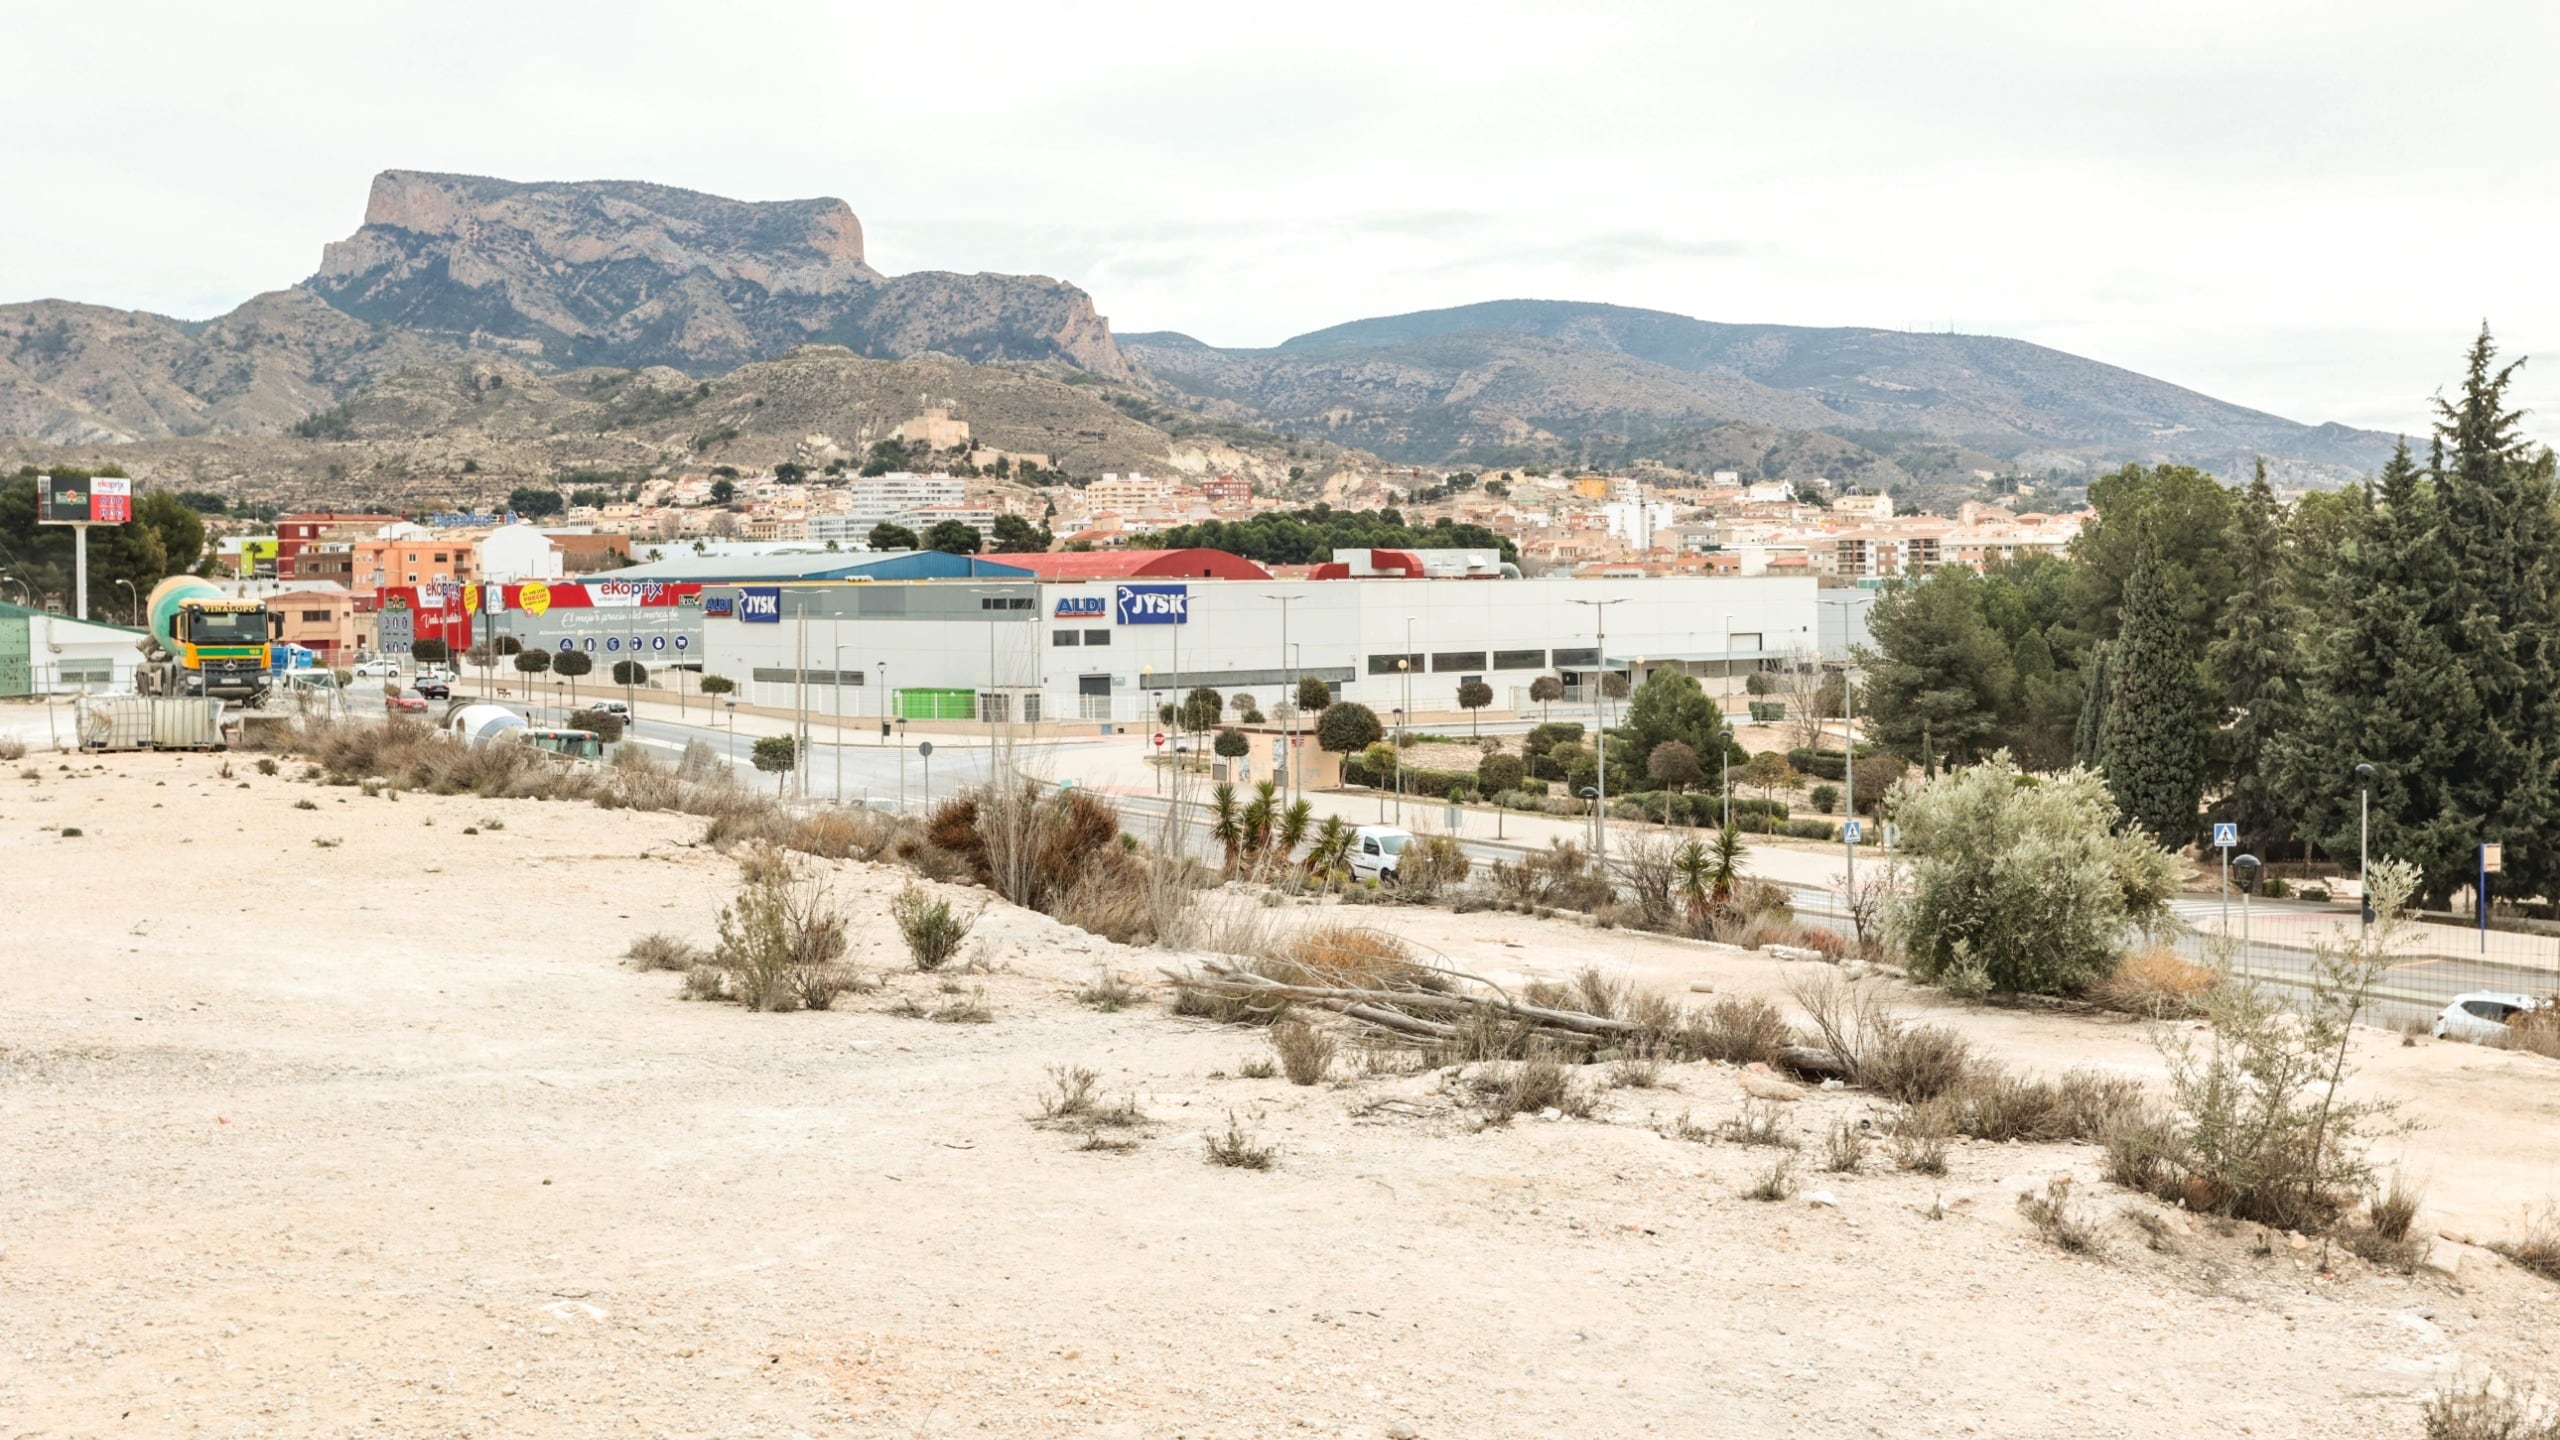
(322, 620)
(381, 563)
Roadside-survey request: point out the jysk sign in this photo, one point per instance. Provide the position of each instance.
(1153, 604)
(760, 605)
(1080, 607)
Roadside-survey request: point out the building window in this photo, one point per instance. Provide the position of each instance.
(1519, 659)
(1064, 637)
(1097, 637)
(1004, 602)
(315, 617)
(1386, 664)
(1458, 660)
(1577, 659)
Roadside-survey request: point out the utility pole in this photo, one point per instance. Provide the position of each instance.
(1600, 724)
(836, 668)
(1289, 698)
(800, 700)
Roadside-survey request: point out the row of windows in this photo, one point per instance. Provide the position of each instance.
(1470, 661)
(1069, 637)
(1004, 602)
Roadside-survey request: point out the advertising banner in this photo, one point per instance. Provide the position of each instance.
(1152, 604)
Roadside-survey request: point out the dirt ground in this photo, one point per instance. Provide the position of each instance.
(379, 1137)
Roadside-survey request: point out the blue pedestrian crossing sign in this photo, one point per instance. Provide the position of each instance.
(2225, 835)
(1851, 832)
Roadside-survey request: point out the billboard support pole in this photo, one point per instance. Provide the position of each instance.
(80, 571)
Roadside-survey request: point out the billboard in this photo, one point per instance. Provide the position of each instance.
(1152, 604)
(85, 500)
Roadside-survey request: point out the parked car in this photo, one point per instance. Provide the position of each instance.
(432, 687)
(438, 673)
(378, 669)
(2481, 1016)
(1374, 849)
(407, 702)
(614, 708)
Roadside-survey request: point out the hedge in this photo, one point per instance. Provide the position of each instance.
(1433, 784)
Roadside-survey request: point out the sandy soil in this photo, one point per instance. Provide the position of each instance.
(380, 1138)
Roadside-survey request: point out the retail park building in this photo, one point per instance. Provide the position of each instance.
(1110, 635)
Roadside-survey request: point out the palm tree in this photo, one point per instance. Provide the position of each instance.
(1226, 821)
(1259, 815)
(1708, 874)
(1330, 856)
(1293, 827)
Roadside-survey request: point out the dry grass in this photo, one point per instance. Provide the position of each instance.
(2155, 984)
(2538, 1249)
(1920, 1135)
(2484, 1412)
(1640, 1070)
(1681, 1127)
(2387, 1234)
(1108, 993)
(965, 1009)
(661, 951)
(2063, 1218)
(1529, 1087)
(2536, 1032)
(1778, 1182)
(1305, 1052)
(1238, 1150)
(13, 748)
(1353, 956)
(1258, 1068)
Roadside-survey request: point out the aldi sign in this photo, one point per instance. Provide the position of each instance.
(760, 605)
(1152, 604)
(1080, 607)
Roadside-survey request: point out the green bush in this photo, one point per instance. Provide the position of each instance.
(1808, 829)
(2021, 883)
(1826, 798)
(1356, 770)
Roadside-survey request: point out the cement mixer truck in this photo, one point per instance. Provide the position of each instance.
(203, 642)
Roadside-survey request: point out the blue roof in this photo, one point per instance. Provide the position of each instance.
(814, 565)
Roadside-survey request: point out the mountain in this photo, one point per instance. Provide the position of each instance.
(1523, 381)
(463, 432)
(554, 276)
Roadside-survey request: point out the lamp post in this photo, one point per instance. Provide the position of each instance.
(2364, 845)
(1724, 766)
(836, 670)
(1399, 764)
(1297, 782)
(1288, 716)
(1147, 680)
(1600, 726)
(2245, 868)
(137, 600)
(1848, 767)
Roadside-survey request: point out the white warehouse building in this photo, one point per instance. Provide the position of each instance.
(1111, 649)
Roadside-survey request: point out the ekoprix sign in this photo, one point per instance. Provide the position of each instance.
(1152, 604)
(760, 605)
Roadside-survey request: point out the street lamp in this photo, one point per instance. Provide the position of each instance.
(1849, 763)
(1289, 714)
(2245, 869)
(2364, 843)
(1600, 725)
(1147, 682)
(1399, 714)
(1724, 765)
(137, 600)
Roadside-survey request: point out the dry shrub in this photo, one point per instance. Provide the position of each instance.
(1108, 993)
(782, 926)
(1305, 1051)
(1237, 1150)
(1532, 1086)
(1639, 1070)
(1735, 1031)
(2536, 1032)
(13, 748)
(661, 951)
(2062, 1218)
(2538, 1249)
(1760, 1122)
(1913, 1063)
(1070, 1093)
(2387, 1235)
(2156, 984)
(1108, 906)
(1350, 956)
(1257, 1068)
(1480, 1035)
(1920, 1135)
(1844, 1149)
(2484, 1412)
(966, 1009)
(932, 930)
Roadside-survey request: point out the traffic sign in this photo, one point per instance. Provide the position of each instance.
(924, 747)
(1850, 832)
(2225, 835)
(1159, 741)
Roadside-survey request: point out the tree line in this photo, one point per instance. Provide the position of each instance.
(2221, 655)
(164, 538)
(1303, 537)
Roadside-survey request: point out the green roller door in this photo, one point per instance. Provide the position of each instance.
(938, 704)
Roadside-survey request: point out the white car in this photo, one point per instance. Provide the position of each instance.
(2481, 1016)
(614, 708)
(1374, 849)
(378, 670)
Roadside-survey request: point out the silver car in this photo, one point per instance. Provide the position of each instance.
(2481, 1017)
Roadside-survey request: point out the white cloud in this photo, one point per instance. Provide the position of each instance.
(2305, 207)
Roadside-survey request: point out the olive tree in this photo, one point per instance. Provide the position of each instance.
(2021, 883)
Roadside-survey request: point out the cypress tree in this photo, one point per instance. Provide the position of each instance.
(2088, 741)
(2253, 660)
(2153, 740)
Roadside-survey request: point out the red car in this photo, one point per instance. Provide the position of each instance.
(407, 704)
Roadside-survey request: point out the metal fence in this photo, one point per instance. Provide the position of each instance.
(2436, 960)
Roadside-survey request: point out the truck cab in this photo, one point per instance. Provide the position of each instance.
(224, 647)
(1375, 850)
(576, 744)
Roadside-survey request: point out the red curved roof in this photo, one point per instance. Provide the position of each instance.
(1139, 564)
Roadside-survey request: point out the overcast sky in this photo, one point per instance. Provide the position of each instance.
(2303, 207)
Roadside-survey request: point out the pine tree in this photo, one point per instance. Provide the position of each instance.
(2253, 660)
(2495, 493)
(2382, 688)
(2152, 745)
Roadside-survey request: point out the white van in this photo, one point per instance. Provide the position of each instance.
(1374, 849)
